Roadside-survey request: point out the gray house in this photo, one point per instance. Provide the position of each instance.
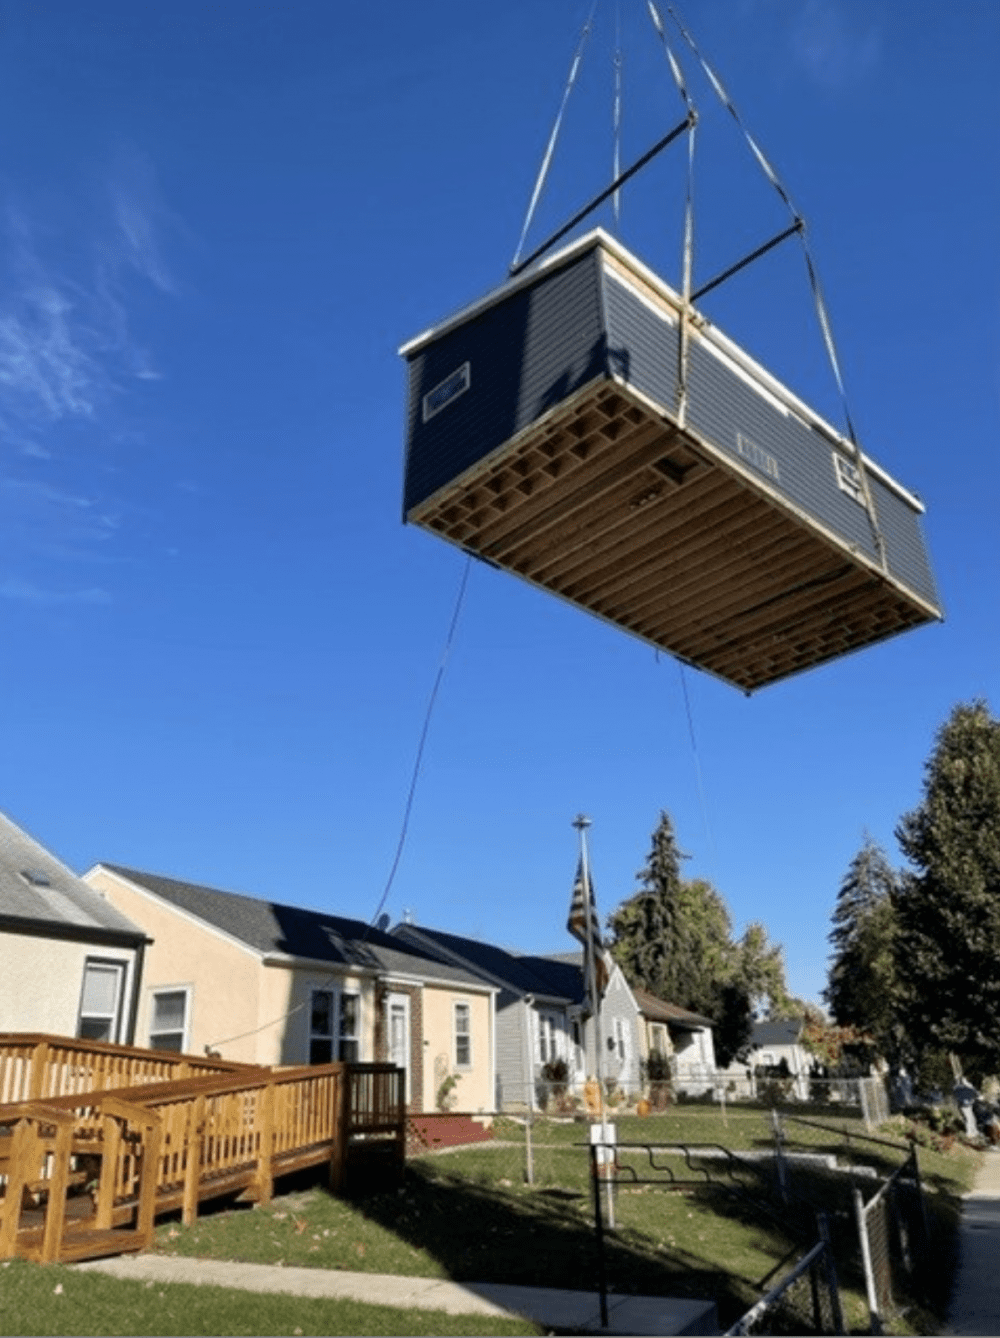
(540, 1017)
(70, 963)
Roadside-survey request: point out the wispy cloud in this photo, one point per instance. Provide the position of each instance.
(837, 44)
(25, 592)
(70, 358)
(46, 367)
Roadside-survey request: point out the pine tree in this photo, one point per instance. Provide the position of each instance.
(862, 987)
(646, 929)
(674, 939)
(948, 910)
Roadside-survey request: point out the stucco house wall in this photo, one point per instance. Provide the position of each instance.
(474, 1089)
(70, 963)
(249, 971)
(220, 978)
(41, 982)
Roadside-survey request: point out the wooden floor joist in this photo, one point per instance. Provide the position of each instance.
(622, 513)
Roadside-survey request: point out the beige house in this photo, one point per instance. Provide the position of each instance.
(70, 963)
(266, 983)
(682, 1037)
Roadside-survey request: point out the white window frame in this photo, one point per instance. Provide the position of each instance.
(446, 392)
(848, 478)
(352, 1037)
(548, 1030)
(763, 461)
(119, 968)
(185, 1028)
(337, 1037)
(459, 1034)
(401, 1002)
(621, 1042)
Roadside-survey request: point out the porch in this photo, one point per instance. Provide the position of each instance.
(86, 1169)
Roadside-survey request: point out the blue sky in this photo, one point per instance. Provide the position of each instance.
(217, 225)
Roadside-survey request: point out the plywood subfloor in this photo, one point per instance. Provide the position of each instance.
(624, 515)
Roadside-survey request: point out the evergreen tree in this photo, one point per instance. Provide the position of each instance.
(948, 910)
(646, 929)
(674, 939)
(862, 987)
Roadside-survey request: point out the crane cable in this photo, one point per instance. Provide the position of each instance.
(554, 135)
(822, 314)
(687, 259)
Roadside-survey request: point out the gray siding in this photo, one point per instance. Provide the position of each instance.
(526, 355)
(511, 1076)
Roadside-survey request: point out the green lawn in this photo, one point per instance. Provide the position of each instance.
(55, 1299)
(469, 1215)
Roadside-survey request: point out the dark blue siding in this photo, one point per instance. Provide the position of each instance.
(527, 354)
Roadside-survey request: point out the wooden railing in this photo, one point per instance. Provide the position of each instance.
(130, 1153)
(34, 1067)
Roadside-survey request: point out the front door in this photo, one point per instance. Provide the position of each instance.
(398, 1032)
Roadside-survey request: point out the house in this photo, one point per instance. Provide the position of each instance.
(267, 983)
(683, 1038)
(777, 1053)
(70, 962)
(540, 1016)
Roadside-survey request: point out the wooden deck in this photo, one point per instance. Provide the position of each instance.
(86, 1172)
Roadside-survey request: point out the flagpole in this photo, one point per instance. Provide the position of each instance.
(581, 823)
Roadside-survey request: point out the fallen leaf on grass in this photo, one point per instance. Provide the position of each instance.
(359, 1250)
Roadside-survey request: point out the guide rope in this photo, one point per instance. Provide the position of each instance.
(407, 810)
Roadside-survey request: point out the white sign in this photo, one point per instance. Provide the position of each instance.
(607, 1134)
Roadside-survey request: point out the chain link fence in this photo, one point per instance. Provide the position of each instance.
(894, 1240)
(806, 1300)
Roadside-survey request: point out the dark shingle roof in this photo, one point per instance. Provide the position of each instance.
(38, 890)
(551, 977)
(658, 1010)
(783, 1031)
(272, 927)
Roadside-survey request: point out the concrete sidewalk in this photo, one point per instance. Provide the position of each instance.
(975, 1299)
(549, 1307)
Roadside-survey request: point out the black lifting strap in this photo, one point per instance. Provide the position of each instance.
(797, 226)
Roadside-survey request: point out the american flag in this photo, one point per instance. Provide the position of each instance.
(583, 907)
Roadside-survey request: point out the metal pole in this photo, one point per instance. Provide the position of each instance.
(602, 1281)
(779, 1155)
(822, 1221)
(581, 824)
(529, 1069)
(866, 1259)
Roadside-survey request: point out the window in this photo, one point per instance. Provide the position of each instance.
(333, 1016)
(619, 1041)
(848, 478)
(100, 1000)
(546, 1038)
(758, 457)
(463, 1036)
(347, 1050)
(446, 391)
(168, 1026)
(321, 1027)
